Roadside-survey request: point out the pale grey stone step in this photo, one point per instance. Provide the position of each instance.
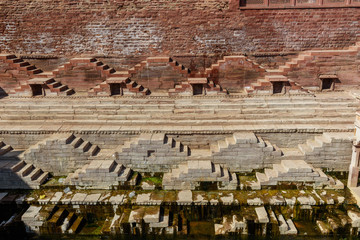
(296, 166)
(292, 229)
(93, 150)
(304, 148)
(261, 142)
(271, 174)
(230, 140)
(262, 215)
(77, 142)
(18, 166)
(269, 146)
(117, 169)
(214, 147)
(34, 174)
(234, 179)
(217, 171)
(313, 144)
(84, 146)
(5, 149)
(261, 177)
(279, 169)
(322, 139)
(283, 226)
(107, 166)
(25, 170)
(222, 144)
(42, 178)
(125, 174)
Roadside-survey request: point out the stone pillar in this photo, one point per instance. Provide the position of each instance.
(354, 166)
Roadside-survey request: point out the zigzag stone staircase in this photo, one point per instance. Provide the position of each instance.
(151, 153)
(296, 171)
(50, 87)
(331, 150)
(189, 175)
(60, 153)
(129, 88)
(244, 151)
(20, 64)
(4, 148)
(15, 174)
(122, 78)
(186, 88)
(100, 175)
(266, 85)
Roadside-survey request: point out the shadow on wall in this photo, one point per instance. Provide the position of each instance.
(17, 174)
(3, 93)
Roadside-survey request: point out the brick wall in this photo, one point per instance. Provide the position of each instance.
(187, 27)
(159, 77)
(81, 77)
(345, 65)
(10, 77)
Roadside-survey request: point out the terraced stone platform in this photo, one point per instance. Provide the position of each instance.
(314, 112)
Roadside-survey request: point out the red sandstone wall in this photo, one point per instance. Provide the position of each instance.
(180, 27)
(10, 77)
(80, 77)
(345, 65)
(158, 77)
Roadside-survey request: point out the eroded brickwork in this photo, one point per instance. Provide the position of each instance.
(134, 28)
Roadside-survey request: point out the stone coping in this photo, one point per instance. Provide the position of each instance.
(185, 197)
(236, 95)
(204, 132)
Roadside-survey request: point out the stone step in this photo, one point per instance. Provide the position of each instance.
(261, 177)
(18, 166)
(93, 150)
(222, 144)
(75, 227)
(25, 170)
(291, 228)
(34, 174)
(296, 166)
(77, 142)
(322, 139)
(214, 147)
(117, 169)
(42, 178)
(58, 217)
(271, 173)
(125, 174)
(5, 149)
(280, 170)
(134, 110)
(85, 146)
(313, 144)
(304, 149)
